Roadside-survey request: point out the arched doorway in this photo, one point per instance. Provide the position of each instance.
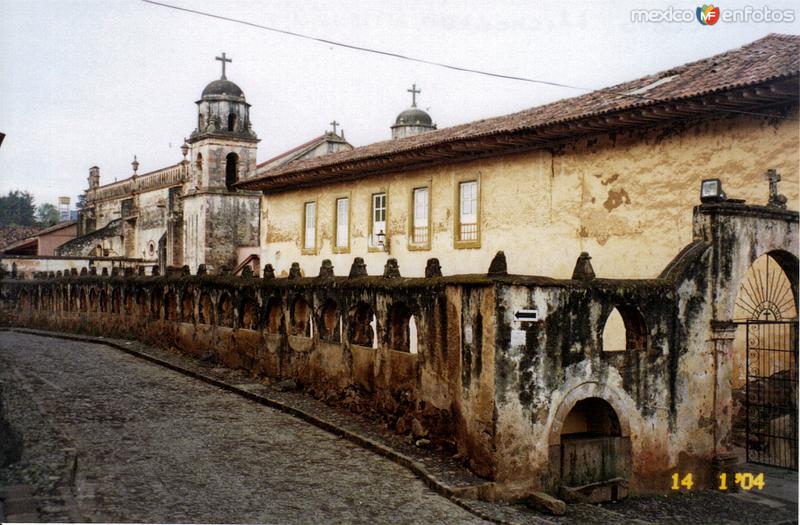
(765, 362)
(591, 447)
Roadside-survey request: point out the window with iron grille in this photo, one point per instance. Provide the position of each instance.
(468, 211)
(378, 217)
(310, 226)
(420, 232)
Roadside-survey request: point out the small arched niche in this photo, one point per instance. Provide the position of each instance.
(301, 318)
(329, 325)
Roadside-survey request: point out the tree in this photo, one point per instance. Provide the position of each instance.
(16, 208)
(47, 215)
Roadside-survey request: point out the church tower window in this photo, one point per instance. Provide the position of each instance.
(231, 166)
(232, 122)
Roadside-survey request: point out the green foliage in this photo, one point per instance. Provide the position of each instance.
(16, 208)
(47, 215)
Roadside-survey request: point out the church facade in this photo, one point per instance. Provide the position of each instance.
(188, 213)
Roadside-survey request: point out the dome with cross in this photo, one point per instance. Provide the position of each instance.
(222, 109)
(413, 120)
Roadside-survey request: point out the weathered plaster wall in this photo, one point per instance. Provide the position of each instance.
(622, 198)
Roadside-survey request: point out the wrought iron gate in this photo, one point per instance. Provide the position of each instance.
(771, 395)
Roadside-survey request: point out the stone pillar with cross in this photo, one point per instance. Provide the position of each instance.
(776, 200)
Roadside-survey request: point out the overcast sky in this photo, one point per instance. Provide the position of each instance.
(95, 82)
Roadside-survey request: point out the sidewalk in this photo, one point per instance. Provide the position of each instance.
(449, 478)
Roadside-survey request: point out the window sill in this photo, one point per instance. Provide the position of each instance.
(459, 245)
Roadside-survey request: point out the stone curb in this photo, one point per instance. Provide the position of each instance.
(401, 459)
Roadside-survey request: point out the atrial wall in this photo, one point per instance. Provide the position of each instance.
(512, 371)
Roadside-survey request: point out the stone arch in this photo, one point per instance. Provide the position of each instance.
(187, 307)
(248, 313)
(590, 439)
(156, 303)
(205, 309)
(624, 329)
(329, 321)
(92, 300)
(171, 307)
(398, 332)
(128, 302)
(141, 301)
(225, 311)
(231, 170)
(583, 391)
(301, 323)
(363, 325)
(273, 316)
(102, 300)
(24, 300)
(116, 300)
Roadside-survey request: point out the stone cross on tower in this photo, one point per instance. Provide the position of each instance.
(223, 59)
(414, 91)
(776, 200)
(334, 124)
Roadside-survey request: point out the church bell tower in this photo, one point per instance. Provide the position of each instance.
(219, 219)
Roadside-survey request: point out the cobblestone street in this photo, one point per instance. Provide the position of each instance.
(110, 437)
(155, 446)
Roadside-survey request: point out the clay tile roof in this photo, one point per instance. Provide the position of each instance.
(763, 61)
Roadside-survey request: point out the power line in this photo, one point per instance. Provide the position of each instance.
(440, 64)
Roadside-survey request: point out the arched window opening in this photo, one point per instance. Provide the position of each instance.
(69, 301)
(141, 301)
(248, 317)
(200, 122)
(116, 301)
(103, 300)
(301, 318)
(187, 308)
(82, 301)
(231, 170)
(172, 307)
(204, 309)
(329, 329)
(199, 161)
(129, 302)
(363, 326)
(624, 329)
(225, 311)
(399, 317)
(413, 341)
(274, 316)
(92, 301)
(232, 122)
(156, 303)
(24, 301)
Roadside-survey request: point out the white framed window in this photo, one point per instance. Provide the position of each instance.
(342, 225)
(310, 226)
(468, 211)
(419, 235)
(378, 217)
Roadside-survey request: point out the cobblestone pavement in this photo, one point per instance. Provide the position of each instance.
(155, 446)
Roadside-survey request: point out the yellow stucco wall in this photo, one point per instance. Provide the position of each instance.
(627, 200)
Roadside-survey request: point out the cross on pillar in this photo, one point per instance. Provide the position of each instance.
(775, 199)
(414, 91)
(223, 59)
(334, 124)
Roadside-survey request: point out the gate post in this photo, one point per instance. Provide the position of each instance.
(722, 335)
